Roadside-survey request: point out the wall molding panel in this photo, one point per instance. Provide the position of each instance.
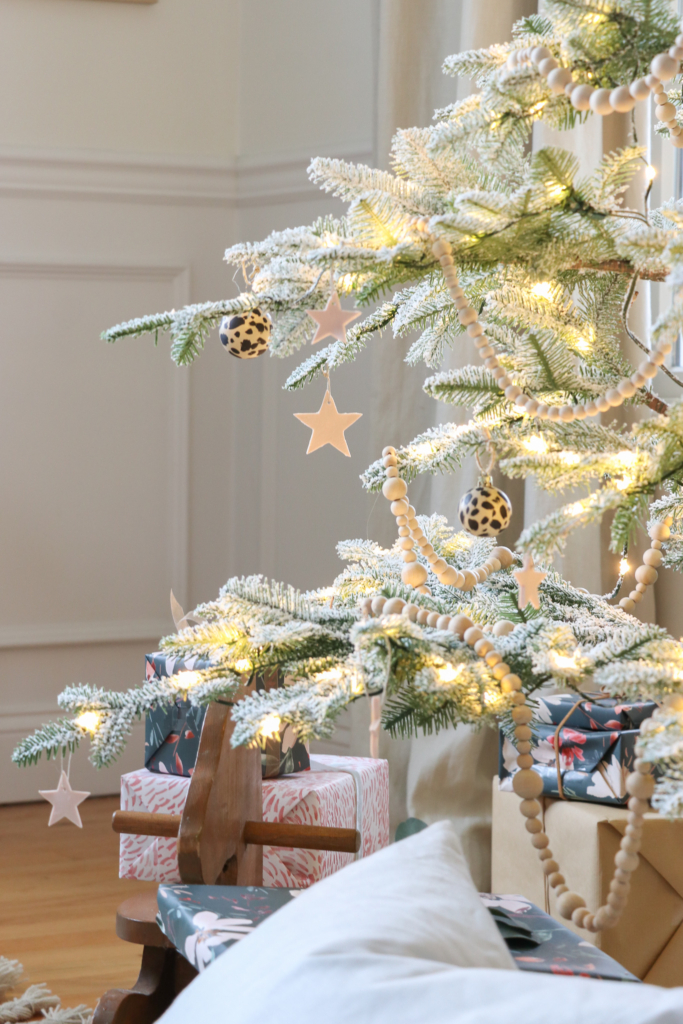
(136, 178)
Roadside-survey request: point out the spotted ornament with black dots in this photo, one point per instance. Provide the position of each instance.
(484, 511)
(246, 335)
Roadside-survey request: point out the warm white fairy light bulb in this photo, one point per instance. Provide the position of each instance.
(89, 721)
(624, 567)
(243, 665)
(270, 727)
(544, 290)
(536, 444)
(650, 172)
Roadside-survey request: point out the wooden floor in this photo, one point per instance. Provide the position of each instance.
(59, 890)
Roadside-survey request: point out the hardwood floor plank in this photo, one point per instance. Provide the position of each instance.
(60, 889)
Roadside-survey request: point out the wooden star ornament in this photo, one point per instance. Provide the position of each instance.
(328, 425)
(332, 320)
(528, 579)
(65, 801)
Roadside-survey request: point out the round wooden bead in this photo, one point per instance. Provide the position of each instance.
(441, 247)
(664, 67)
(503, 627)
(403, 531)
(500, 670)
(620, 887)
(394, 606)
(492, 658)
(460, 624)
(432, 619)
(504, 556)
(639, 89)
(527, 784)
(648, 369)
(647, 575)
(388, 451)
(523, 747)
(614, 397)
(666, 112)
(630, 844)
(653, 558)
(469, 580)
(642, 786)
(510, 683)
(378, 604)
(472, 635)
(414, 574)
(600, 102)
(558, 79)
(399, 508)
(568, 903)
(410, 611)
(579, 916)
(546, 854)
(581, 97)
(516, 697)
(659, 531)
(439, 566)
(540, 53)
(626, 388)
(406, 543)
(641, 588)
(450, 577)
(638, 807)
(547, 65)
(525, 761)
(621, 99)
(533, 825)
(409, 556)
(523, 732)
(366, 606)
(616, 901)
(540, 841)
(422, 616)
(483, 647)
(636, 596)
(530, 808)
(627, 604)
(561, 888)
(523, 715)
(443, 622)
(468, 315)
(391, 472)
(626, 861)
(642, 766)
(389, 460)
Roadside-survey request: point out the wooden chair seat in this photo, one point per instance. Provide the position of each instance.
(136, 921)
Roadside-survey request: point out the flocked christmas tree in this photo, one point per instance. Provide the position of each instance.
(477, 243)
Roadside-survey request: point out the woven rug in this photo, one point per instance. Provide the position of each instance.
(35, 1003)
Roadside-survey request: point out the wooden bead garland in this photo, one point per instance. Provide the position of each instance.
(414, 573)
(663, 67)
(526, 783)
(646, 574)
(468, 316)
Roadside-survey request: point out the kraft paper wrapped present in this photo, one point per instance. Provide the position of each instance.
(172, 731)
(344, 792)
(584, 838)
(596, 744)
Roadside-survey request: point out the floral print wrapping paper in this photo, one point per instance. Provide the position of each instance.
(172, 731)
(203, 921)
(596, 748)
(309, 798)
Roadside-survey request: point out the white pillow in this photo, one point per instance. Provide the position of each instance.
(414, 899)
(400, 937)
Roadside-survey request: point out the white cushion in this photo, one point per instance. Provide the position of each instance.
(401, 936)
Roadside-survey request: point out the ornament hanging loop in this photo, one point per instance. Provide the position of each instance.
(486, 466)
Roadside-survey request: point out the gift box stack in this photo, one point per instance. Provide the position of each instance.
(343, 792)
(584, 815)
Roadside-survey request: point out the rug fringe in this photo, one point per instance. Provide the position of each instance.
(35, 998)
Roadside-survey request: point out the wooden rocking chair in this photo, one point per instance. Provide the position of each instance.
(221, 835)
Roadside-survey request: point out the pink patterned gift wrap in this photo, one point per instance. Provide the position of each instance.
(325, 795)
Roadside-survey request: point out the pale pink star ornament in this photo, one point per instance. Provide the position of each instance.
(328, 425)
(65, 801)
(528, 579)
(332, 320)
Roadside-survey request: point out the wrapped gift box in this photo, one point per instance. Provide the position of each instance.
(596, 748)
(584, 838)
(203, 921)
(172, 731)
(327, 795)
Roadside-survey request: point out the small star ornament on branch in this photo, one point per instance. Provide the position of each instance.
(528, 579)
(328, 425)
(65, 801)
(332, 320)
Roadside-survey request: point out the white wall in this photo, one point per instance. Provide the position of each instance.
(136, 143)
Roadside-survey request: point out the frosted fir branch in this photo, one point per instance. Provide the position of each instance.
(354, 181)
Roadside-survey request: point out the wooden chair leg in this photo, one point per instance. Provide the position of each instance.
(163, 974)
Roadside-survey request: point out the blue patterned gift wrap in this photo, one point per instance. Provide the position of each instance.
(172, 731)
(596, 748)
(203, 921)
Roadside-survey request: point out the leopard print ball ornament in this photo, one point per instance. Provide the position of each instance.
(484, 511)
(246, 335)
